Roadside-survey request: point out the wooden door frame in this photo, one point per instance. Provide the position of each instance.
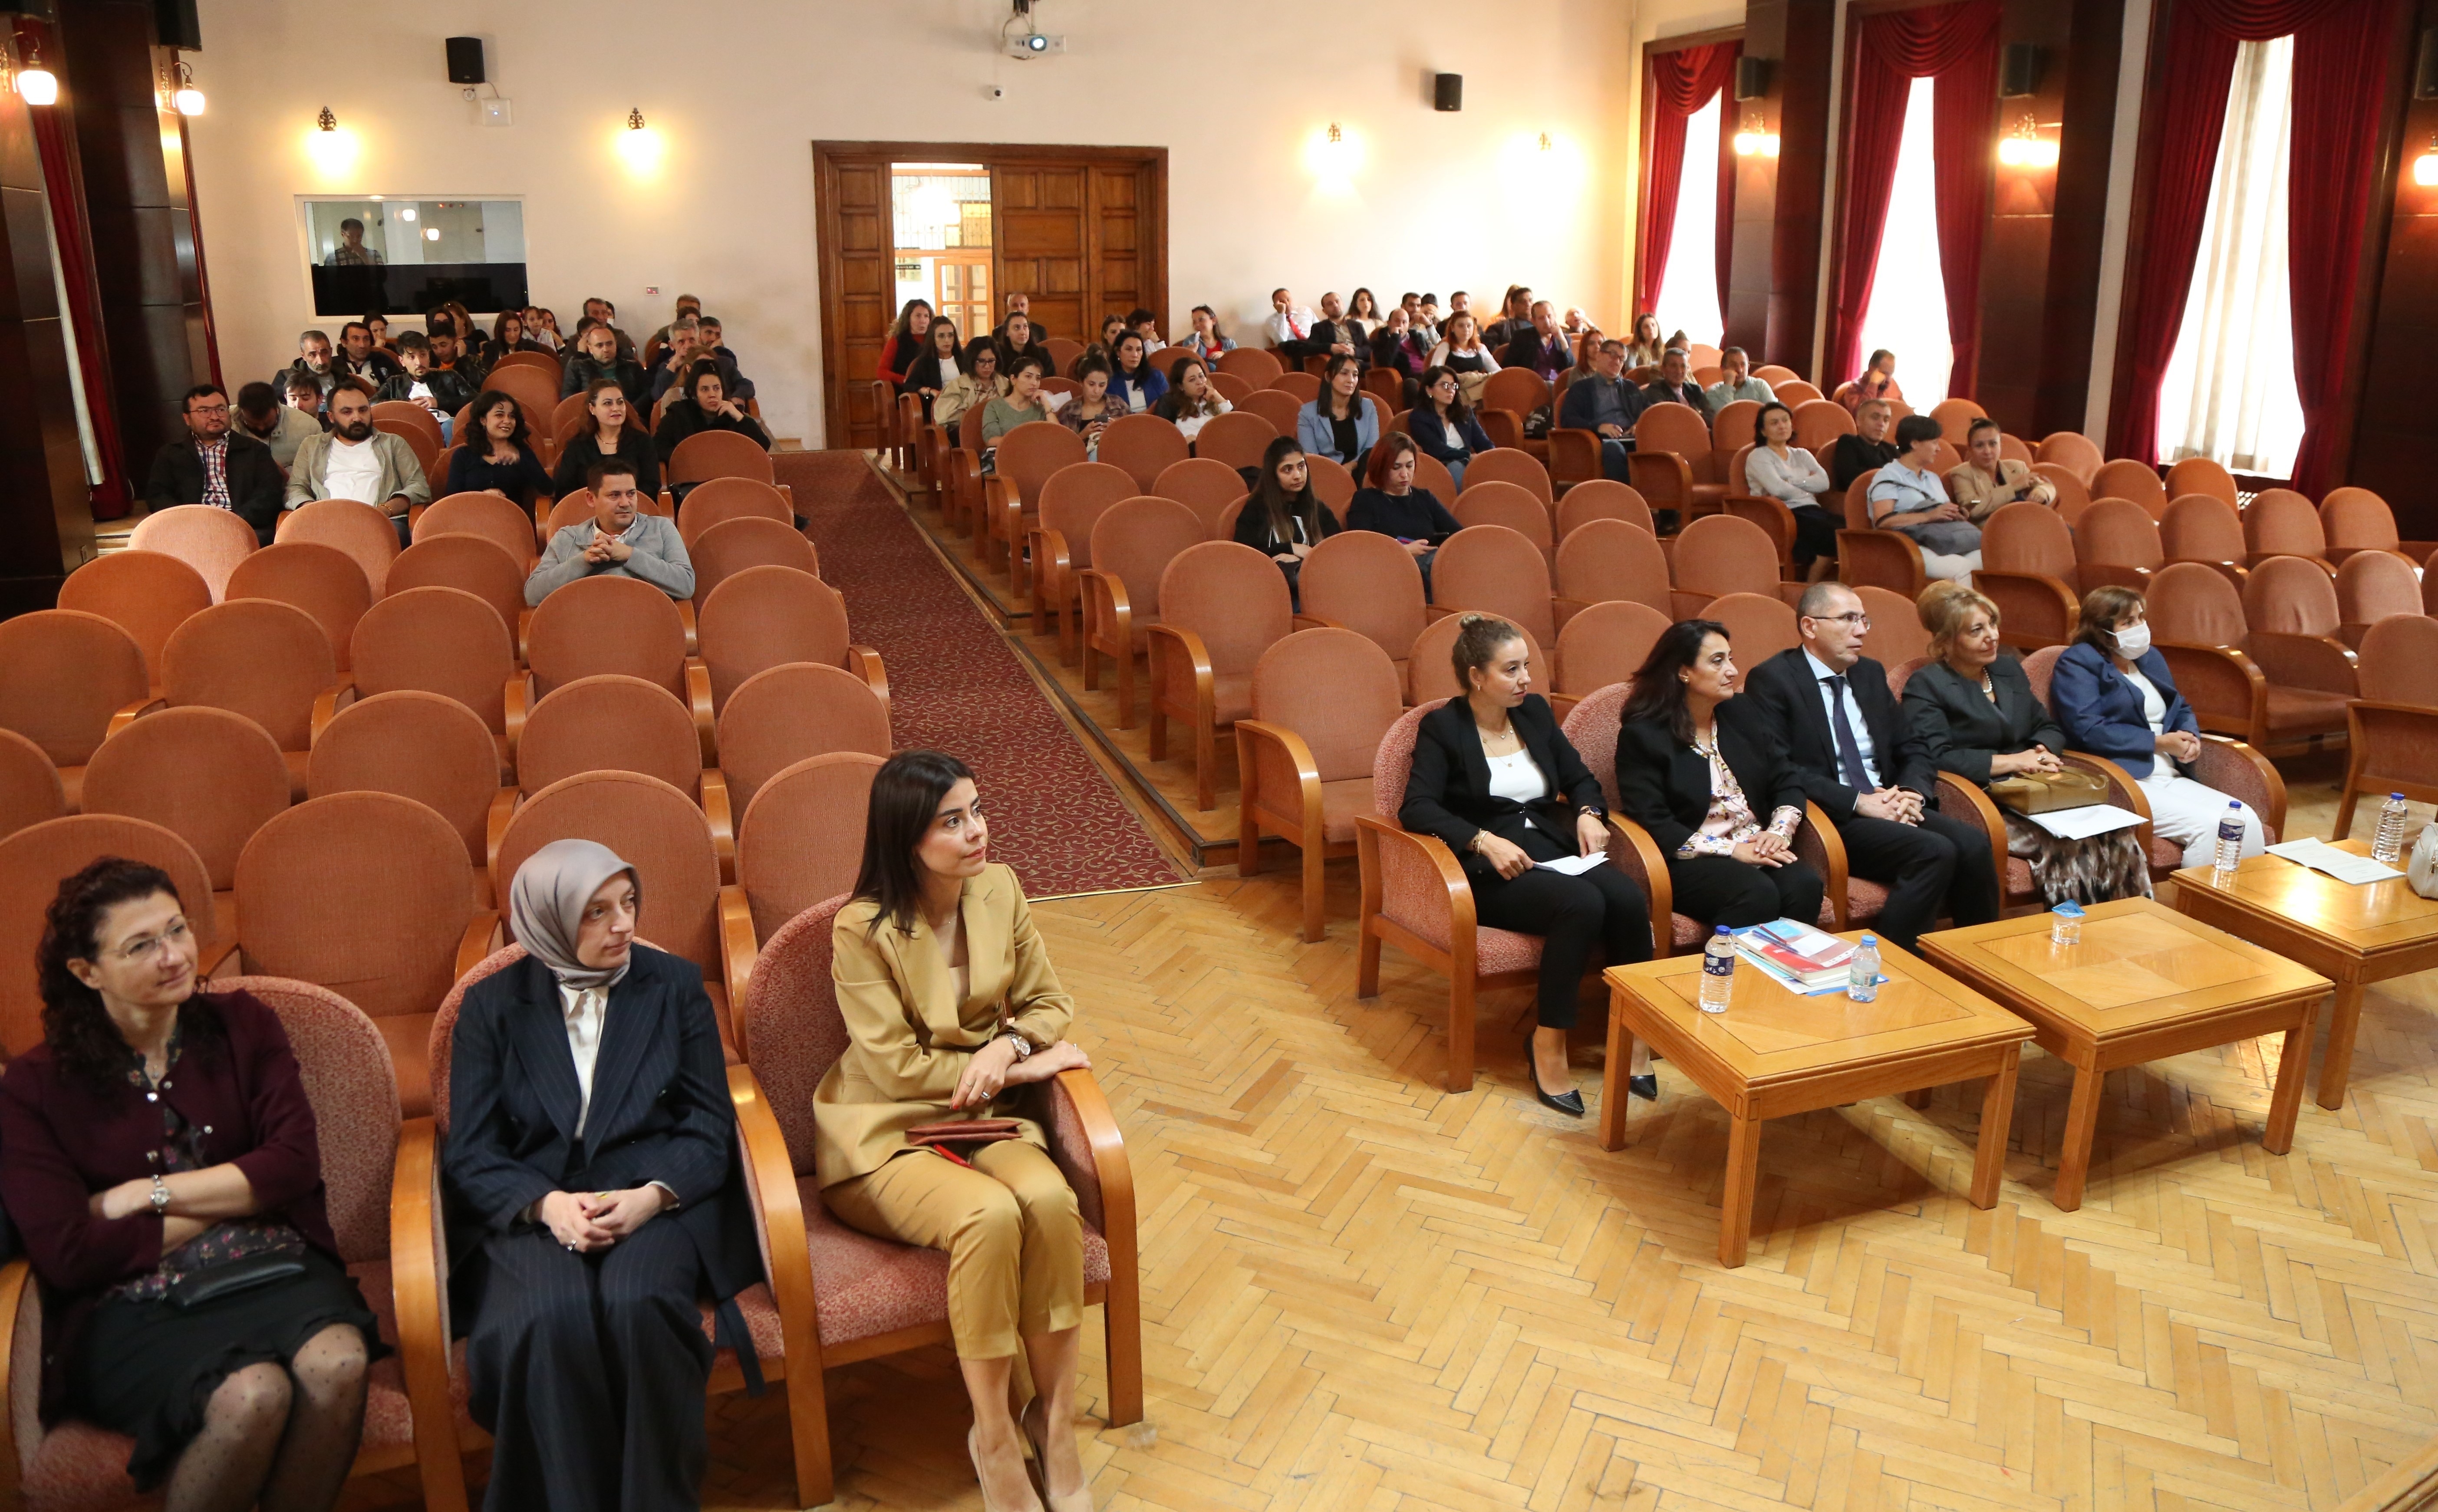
(830, 271)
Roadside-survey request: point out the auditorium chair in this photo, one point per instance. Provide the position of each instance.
(1575, 458)
(322, 581)
(65, 678)
(567, 417)
(1795, 390)
(1320, 700)
(793, 712)
(418, 745)
(534, 387)
(1060, 543)
(1608, 561)
(2116, 542)
(619, 724)
(1254, 364)
(1231, 386)
(1775, 520)
(212, 542)
(266, 661)
(2198, 621)
(1760, 625)
(1064, 351)
(1604, 644)
(441, 641)
(1275, 405)
(1819, 422)
(358, 528)
(1222, 604)
(1495, 570)
(1866, 553)
(1731, 430)
(1509, 504)
(1896, 633)
(1432, 477)
(148, 594)
(211, 777)
(1506, 465)
(2281, 523)
(1132, 545)
(1363, 580)
(800, 839)
(732, 545)
(547, 363)
(2071, 450)
(1507, 400)
(36, 859)
(1333, 483)
(2197, 528)
(430, 455)
(2392, 729)
(1602, 498)
(365, 894)
(1430, 667)
(31, 790)
(597, 624)
(1144, 446)
(710, 454)
(2201, 475)
(958, 466)
(1239, 437)
(2353, 520)
(404, 417)
(1202, 485)
(1955, 417)
(1723, 554)
(719, 499)
(846, 1295)
(764, 616)
(1775, 374)
(2073, 499)
(2373, 586)
(1028, 455)
(469, 563)
(488, 516)
(2127, 478)
(2290, 607)
(2028, 570)
(1668, 440)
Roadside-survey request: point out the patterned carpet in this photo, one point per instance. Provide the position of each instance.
(954, 685)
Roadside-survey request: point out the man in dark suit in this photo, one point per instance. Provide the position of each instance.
(213, 464)
(1846, 740)
(1675, 385)
(1337, 335)
(1537, 345)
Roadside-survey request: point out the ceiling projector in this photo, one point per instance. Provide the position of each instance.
(1031, 43)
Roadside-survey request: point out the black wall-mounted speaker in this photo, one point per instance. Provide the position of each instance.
(176, 25)
(2019, 69)
(1752, 78)
(465, 60)
(2425, 72)
(1447, 92)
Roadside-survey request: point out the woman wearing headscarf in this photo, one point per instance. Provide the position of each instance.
(593, 1196)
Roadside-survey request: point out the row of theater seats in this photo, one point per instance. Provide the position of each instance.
(530, 379)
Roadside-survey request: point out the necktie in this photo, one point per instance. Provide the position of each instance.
(1849, 750)
(1294, 327)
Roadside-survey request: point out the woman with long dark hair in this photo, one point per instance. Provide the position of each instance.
(952, 1007)
(705, 407)
(937, 367)
(1135, 384)
(166, 1178)
(1018, 340)
(1191, 401)
(1283, 518)
(1363, 309)
(907, 340)
(497, 456)
(607, 428)
(1340, 425)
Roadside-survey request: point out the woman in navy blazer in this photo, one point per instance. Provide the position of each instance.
(1443, 425)
(2113, 695)
(1135, 385)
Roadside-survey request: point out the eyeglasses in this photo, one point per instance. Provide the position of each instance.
(208, 409)
(1853, 620)
(144, 946)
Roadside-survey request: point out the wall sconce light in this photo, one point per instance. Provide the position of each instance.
(1332, 157)
(639, 146)
(326, 120)
(1544, 141)
(36, 85)
(2025, 148)
(186, 97)
(2425, 167)
(635, 119)
(1751, 141)
(1334, 134)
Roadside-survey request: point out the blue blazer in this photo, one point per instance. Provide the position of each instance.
(1430, 433)
(2101, 710)
(1155, 384)
(1319, 436)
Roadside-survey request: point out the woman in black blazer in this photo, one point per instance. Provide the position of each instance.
(1496, 779)
(594, 1195)
(1700, 770)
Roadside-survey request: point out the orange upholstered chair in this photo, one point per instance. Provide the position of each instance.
(322, 581)
(1606, 642)
(266, 661)
(2116, 542)
(1363, 580)
(2127, 478)
(1724, 553)
(31, 789)
(764, 616)
(2197, 528)
(1144, 446)
(1819, 422)
(710, 454)
(358, 528)
(1731, 431)
(1273, 405)
(1866, 553)
(406, 418)
(1202, 485)
(452, 559)
(2371, 587)
(801, 839)
(791, 712)
(1668, 440)
(1506, 402)
(2199, 475)
(2073, 497)
(1497, 571)
(423, 747)
(1254, 364)
(2281, 523)
(717, 501)
(1027, 457)
(1760, 625)
(1508, 465)
(2289, 608)
(35, 860)
(2353, 519)
(1896, 634)
(440, 641)
(1060, 546)
(1321, 700)
(64, 678)
(619, 724)
(1332, 484)
(212, 776)
(2263, 689)
(2392, 729)
(2028, 570)
(1602, 498)
(1955, 417)
(1239, 437)
(488, 516)
(1222, 604)
(1509, 504)
(148, 594)
(730, 547)
(1430, 666)
(2074, 450)
(1133, 542)
(1611, 560)
(1794, 392)
(212, 542)
(623, 624)
(365, 894)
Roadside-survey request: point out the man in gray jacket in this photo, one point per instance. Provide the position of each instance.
(618, 541)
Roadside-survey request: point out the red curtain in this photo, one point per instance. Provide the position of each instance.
(1678, 84)
(1956, 45)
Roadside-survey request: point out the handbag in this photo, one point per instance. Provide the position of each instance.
(197, 1288)
(2030, 793)
(965, 1132)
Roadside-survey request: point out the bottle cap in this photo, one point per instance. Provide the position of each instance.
(2069, 909)
(1722, 930)
(1871, 940)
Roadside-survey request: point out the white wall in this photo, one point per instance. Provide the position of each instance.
(738, 90)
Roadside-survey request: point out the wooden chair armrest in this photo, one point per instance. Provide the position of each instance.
(1112, 1170)
(1880, 558)
(1252, 801)
(327, 705)
(2415, 551)
(685, 617)
(495, 824)
(1051, 562)
(865, 662)
(2317, 661)
(738, 951)
(520, 696)
(122, 718)
(1372, 833)
(778, 1214)
(20, 1307)
(697, 684)
(1771, 516)
(1314, 622)
(2239, 771)
(1573, 456)
(524, 637)
(419, 1253)
(1107, 613)
(1632, 851)
(723, 824)
(2228, 694)
(1562, 703)
(481, 937)
(1961, 800)
(1816, 841)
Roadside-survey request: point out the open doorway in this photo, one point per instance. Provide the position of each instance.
(942, 212)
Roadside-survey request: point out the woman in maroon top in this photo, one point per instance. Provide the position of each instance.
(163, 1171)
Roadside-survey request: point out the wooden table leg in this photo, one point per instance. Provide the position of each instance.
(2286, 1098)
(2081, 1124)
(1743, 1172)
(1997, 1116)
(2338, 1067)
(1613, 1095)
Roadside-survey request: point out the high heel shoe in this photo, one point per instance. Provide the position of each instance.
(972, 1451)
(1645, 1086)
(1570, 1103)
(1078, 1500)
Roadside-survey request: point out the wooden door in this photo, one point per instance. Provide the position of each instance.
(962, 291)
(1040, 238)
(856, 286)
(1118, 237)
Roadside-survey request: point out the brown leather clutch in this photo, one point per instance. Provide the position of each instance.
(965, 1132)
(2027, 793)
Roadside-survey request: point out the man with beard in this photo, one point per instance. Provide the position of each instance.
(212, 464)
(354, 461)
(314, 360)
(359, 358)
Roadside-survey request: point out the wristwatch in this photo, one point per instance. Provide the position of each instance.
(1023, 1045)
(160, 1196)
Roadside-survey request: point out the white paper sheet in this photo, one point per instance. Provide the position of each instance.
(2343, 865)
(1574, 866)
(2082, 823)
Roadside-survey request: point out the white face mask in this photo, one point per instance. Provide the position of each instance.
(2133, 641)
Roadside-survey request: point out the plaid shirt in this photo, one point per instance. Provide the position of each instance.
(215, 456)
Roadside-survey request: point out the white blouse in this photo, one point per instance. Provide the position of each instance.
(585, 1006)
(2154, 707)
(1515, 777)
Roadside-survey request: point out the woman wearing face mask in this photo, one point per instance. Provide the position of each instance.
(2115, 697)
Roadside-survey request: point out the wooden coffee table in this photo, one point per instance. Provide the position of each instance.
(2145, 982)
(1774, 1053)
(2353, 935)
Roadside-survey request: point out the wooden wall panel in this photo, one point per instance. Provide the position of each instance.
(859, 290)
(2397, 369)
(1041, 240)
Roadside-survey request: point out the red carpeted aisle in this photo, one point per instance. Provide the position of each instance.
(956, 686)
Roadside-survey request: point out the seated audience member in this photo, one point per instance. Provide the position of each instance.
(1020, 304)
(977, 383)
(1443, 425)
(1606, 405)
(1395, 346)
(352, 460)
(1283, 518)
(1866, 446)
(1289, 329)
(1906, 497)
(135, 1214)
(314, 360)
(1736, 382)
(1496, 781)
(215, 464)
(683, 306)
(620, 540)
(261, 417)
(450, 356)
(1704, 772)
(358, 357)
(1391, 505)
(1675, 385)
(954, 1010)
(1337, 335)
(1461, 351)
(938, 366)
(596, 358)
(1091, 409)
(1339, 425)
(1648, 346)
(1363, 309)
(498, 457)
(685, 353)
(1145, 323)
(1020, 405)
(1136, 384)
(1426, 319)
(541, 326)
(1776, 469)
(416, 382)
(1191, 402)
(1514, 318)
(378, 324)
(1536, 345)
(1879, 381)
(1206, 340)
(1017, 338)
(1104, 350)
(304, 395)
(1845, 737)
(1577, 323)
(705, 407)
(594, 1194)
(351, 250)
(608, 431)
(601, 312)
(898, 350)
(1461, 303)
(1586, 356)
(509, 336)
(2114, 697)
(1989, 481)
(1974, 713)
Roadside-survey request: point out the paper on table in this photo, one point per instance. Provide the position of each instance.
(1573, 866)
(2082, 823)
(2343, 865)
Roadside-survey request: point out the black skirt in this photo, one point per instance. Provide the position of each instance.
(149, 1370)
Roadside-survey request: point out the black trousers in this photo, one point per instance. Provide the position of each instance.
(1570, 914)
(1815, 533)
(1940, 863)
(588, 1370)
(1720, 889)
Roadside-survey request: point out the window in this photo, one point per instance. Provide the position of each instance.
(1907, 311)
(1689, 290)
(370, 252)
(2229, 393)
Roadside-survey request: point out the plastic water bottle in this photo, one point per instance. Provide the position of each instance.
(1718, 970)
(2388, 847)
(1863, 975)
(2230, 845)
(2065, 924)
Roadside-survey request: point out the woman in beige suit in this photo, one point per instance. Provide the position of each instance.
(951, 1006)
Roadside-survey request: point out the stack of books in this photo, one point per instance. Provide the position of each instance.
(1796, 956)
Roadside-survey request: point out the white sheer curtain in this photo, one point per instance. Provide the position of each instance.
(2229, 393)
(1689, 290)
(1907, 311)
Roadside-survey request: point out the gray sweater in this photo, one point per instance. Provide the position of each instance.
(660, 559)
